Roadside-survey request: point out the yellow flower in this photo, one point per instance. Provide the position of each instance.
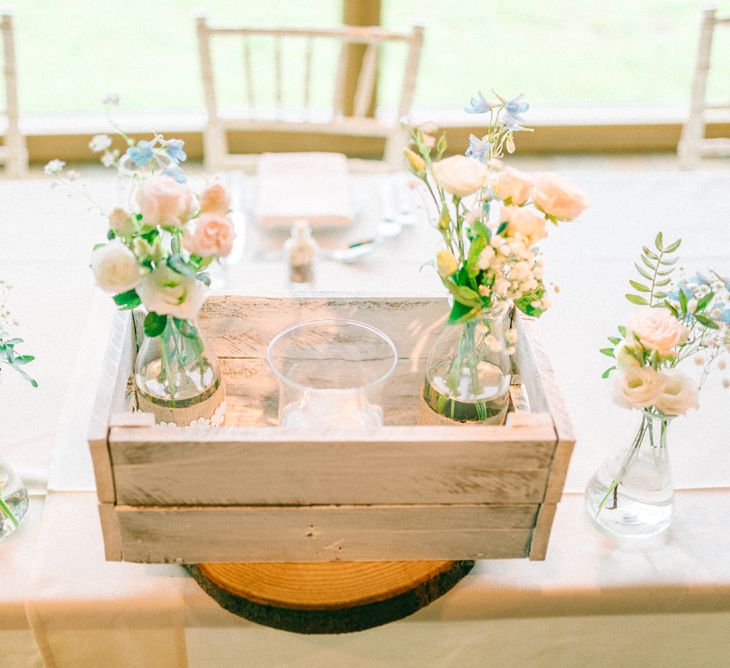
(446, 263)
(415, 161)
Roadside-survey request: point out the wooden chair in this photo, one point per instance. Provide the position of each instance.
(693, 143)
(14, 153)
(335, 122)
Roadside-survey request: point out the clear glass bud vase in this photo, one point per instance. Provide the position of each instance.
(13, 499)
(631, 494)
(469, 371)
(177, 379)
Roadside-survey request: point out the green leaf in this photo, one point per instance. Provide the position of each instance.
(622, 330)
(670, 262)
(673, 246)
(615, 340)
(635, 299)
(658, 242)
(638, 286)
(662, 283)
(177, 264)
(607, 351)
(650, 254)
(660, 295)
(110, 234)
(127, 300)
(203, 278)
(502, 227)
(24, 359)
(683, 302)
(707, 322)
(704, 302)
(154, 324)
(186, 328)
(648, 264)
(468, 295)
(673, 310)
(607, 372)
(643, 272)
(458, 311)
(477, 246)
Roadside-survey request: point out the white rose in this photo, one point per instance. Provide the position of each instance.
(164, 201)
(512, 184)
(680, 393)
(524, 221)
(657, 329)
(115, 267)
(121, 221)
(166, 292)
(637, 387)
(460, 175)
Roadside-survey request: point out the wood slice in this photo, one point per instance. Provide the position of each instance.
(337, 597)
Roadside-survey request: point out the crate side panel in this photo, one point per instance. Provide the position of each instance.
(322, 534)
(239, 326)
(280, 466)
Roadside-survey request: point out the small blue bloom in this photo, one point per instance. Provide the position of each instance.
(477, 105)
(724, 313)
(513, 110)
(478, 149)
(175, 173)
(701, 279)
(141, 154)
(674, 296)
(174, 148)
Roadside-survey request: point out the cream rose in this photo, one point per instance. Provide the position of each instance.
(524, 221)
(115, 267)
(215, 199)
(556, 197)
(166, 292)
(446, 263)
(213, 236)
(122, 222)
(164, 201)
(512, 184)
(460, 175)
(680, 393)
(637, 387)
(657, 329)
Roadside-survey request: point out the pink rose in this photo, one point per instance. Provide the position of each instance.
(525, 222)
(164, 201)
(512, 184)
(213, 236)
(557, 198)
(215, 199)
(657, 329)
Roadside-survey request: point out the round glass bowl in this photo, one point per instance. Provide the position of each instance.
(331, 373)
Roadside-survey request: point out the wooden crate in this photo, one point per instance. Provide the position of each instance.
(251, 491)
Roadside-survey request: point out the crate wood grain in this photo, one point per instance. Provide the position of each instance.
(250, 492)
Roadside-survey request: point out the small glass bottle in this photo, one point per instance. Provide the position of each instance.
(13, 500)
(300, 250)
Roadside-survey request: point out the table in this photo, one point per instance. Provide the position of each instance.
(662, 602)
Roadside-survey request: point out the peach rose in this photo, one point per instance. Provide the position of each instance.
(637, 387)
(525, 222)
(512, 184)
(459, 175)
(164, 201)
(122, 222)
(215, 199)
(680, 393)
(213, 236)
(558, 198)
(657, 329)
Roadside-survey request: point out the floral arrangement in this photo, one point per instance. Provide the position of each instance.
(157, 249)
(674, 322)
(490, 256)
(8, 354)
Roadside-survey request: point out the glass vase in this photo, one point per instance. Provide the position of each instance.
(331, 373)
(469, 371)
(631, 494)
(177, 379)
(13, 500)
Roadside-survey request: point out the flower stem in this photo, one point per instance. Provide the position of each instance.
(5, 510)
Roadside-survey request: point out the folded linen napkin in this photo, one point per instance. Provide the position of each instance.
(310, 186)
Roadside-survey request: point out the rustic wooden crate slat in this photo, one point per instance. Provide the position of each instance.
(324, 533)
(405, 491)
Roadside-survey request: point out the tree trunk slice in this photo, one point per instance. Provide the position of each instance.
(336, 597)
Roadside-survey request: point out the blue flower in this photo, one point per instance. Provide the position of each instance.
(478, 149)
(175, 173)
(174, 148)
(513, 110)
(477, 105)
(724, 313)
(141, 154)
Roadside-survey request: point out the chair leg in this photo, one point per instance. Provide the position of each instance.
(16, 160)
(214, 147)
(393, 153)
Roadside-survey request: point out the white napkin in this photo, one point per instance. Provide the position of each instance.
(310, 186)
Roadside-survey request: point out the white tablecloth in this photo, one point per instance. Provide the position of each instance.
(663, 602)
